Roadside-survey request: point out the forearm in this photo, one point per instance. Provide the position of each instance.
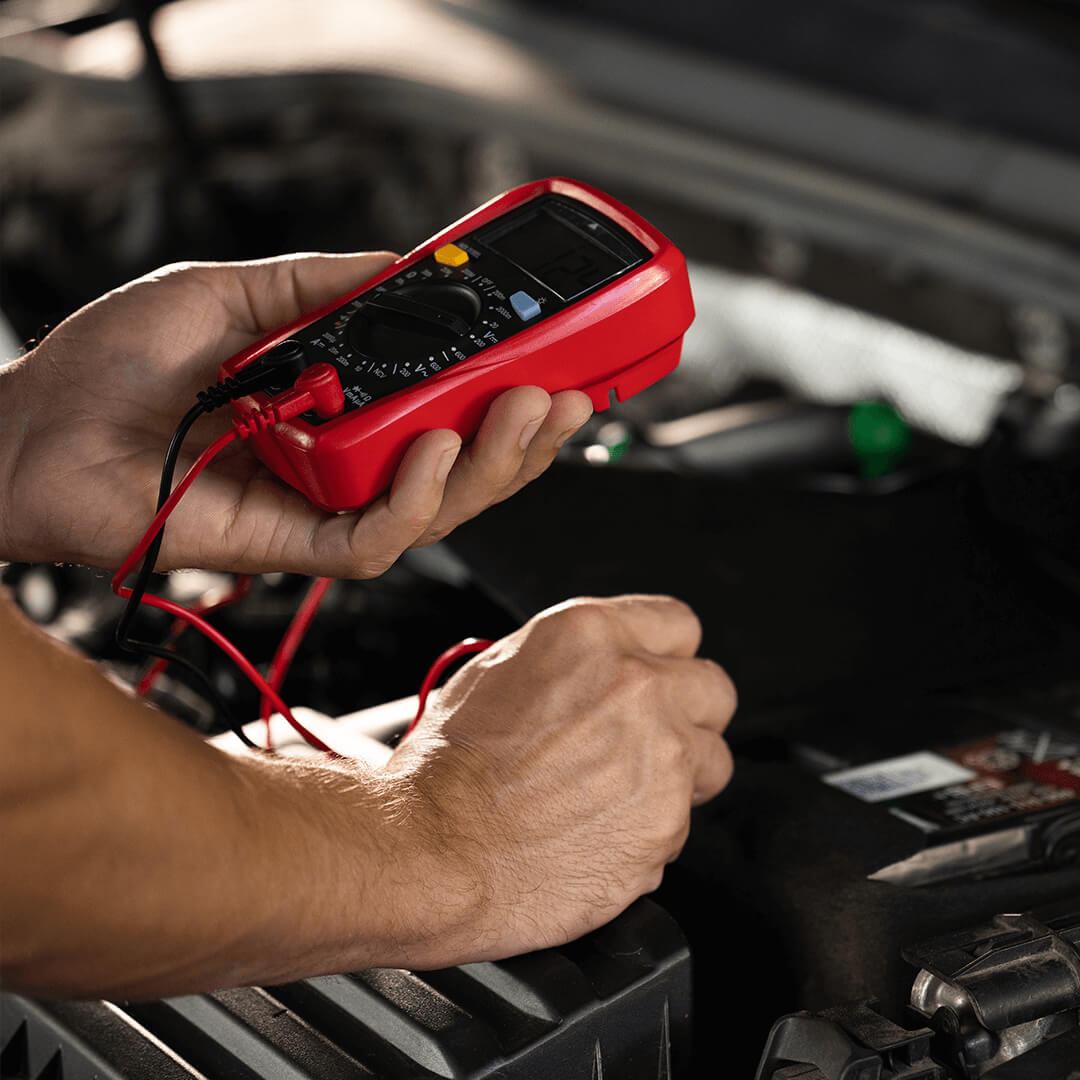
(139, 861)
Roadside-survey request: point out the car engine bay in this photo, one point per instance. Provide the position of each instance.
(864, 477)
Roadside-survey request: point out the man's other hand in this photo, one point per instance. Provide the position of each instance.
(556, 772)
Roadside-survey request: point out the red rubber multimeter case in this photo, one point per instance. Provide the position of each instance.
(553, 284)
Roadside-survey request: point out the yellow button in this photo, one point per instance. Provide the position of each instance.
(451, 255)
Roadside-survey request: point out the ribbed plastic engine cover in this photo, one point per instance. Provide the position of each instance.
(613, 1006)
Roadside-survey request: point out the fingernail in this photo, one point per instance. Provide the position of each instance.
(446, 463)
(529, 430)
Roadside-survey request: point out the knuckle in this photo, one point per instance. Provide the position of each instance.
(679, 840)
(537, 459)
(715, 775)
(684, 826)
(683, 611)
(729, 689)
(417, 518)
(725, 688)
(433, 534)
(674, 754)
(512, 488)
(653, 879)
(635, 673)
(183, 266)
(490, 473)
(679, 607)
(373, 566)
(530, 471)
(692, 620)
(583, 621)
(727, 763)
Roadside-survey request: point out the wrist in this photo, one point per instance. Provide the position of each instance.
(456, 829)
(447, 889)
(361, 868)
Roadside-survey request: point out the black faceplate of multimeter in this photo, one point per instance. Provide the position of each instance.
(553, 248)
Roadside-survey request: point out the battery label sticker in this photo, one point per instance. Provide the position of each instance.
(1018, 773)
(897, 777)
(1000, 778)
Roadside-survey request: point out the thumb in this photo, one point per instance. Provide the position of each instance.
(263, 294)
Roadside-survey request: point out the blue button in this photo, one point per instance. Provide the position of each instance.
(525, 306)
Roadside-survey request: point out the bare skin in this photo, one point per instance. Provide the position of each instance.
(547, 787)
(86, 417)
(544, 792)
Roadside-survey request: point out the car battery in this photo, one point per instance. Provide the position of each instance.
(849, 835)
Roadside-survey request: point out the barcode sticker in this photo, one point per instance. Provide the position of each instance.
(899, 776)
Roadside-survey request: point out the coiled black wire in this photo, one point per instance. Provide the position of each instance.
(207, 402)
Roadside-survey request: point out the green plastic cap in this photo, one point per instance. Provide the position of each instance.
(879, 437)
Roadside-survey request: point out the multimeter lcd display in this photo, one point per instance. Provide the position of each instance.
(558, 256)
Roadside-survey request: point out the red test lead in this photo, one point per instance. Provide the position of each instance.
(317, 389)
(455, 652)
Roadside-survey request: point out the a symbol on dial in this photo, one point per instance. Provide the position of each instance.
(403, 369)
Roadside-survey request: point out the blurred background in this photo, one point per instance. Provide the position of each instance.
(864, 474)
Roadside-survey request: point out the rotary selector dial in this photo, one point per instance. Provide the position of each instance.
(405, 325)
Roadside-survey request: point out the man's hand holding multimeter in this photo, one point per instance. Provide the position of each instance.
(552, 285)
(85, 418)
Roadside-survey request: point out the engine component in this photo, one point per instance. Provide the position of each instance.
(853, 1042)
(998, 1000)
(1002, 989)
(614, 1004)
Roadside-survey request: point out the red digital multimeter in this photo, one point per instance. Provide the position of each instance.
(553, 284)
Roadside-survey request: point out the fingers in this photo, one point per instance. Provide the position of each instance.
(516, 442)
(435, 489)
(368, 545)
(569, 411)
(706, 694)
(496, 454)
(705, 702)
(660, 625)
(712, 764)
(656, 638)
(699, 704)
